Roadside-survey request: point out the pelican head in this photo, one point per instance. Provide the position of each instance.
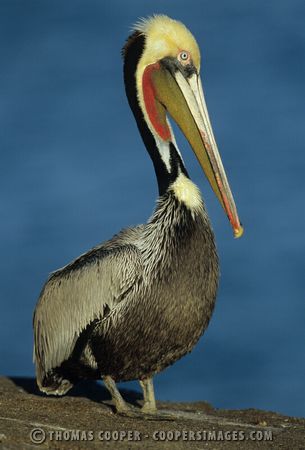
(162, 77)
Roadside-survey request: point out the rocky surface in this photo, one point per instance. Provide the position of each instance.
(85, 420)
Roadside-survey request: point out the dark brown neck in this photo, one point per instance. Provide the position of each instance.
(166, 174)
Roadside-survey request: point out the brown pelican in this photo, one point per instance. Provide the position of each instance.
(137, 303)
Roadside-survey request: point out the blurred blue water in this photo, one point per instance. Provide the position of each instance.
(73, 171)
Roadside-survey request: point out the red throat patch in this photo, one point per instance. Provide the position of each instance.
(159, 123)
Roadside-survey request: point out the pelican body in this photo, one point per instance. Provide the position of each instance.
(135, 304)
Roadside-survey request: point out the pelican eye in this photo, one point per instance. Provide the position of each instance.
(184, 57)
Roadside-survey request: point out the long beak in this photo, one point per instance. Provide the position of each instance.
(184, 100)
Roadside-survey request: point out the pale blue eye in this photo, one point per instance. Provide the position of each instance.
(184, 56)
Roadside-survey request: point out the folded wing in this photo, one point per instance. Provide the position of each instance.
(79, 293)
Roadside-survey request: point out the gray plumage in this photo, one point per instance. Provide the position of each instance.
(132, 305)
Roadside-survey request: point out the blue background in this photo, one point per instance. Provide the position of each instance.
(74, 171)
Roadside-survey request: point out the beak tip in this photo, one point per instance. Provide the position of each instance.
(238, 232)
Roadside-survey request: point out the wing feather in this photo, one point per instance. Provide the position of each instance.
(76, 295)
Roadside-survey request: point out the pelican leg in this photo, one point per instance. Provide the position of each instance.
(149, 395)
(119, 402)
(147, 412)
